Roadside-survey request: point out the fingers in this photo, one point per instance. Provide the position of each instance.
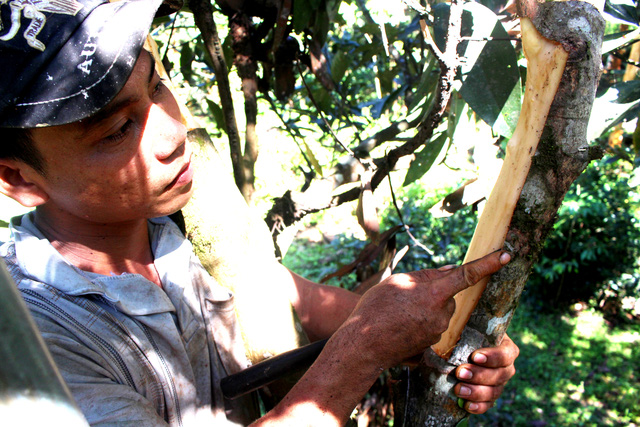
(497, 357)
(484, 379)
(477, 399)
(479, 375)
(471, 273)
(491, 366)
(478, 393)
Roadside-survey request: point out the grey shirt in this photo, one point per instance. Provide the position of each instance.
(131, 352)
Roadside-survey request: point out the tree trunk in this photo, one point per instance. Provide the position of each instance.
(425, 398)
(240, 28)
(236, 248)
(203, 16)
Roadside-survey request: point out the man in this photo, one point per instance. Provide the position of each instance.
(93, 140)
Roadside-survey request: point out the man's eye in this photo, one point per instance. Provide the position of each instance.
(121, 133)
(157, 90)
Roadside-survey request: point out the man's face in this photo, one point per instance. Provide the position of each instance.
(127, 162)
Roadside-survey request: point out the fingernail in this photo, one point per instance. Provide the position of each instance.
(473, 406)
(480, 358)
(447, 267)
(464, 391)
(465, 374)
(505, 258)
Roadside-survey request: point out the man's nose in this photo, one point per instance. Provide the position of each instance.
(168, 133)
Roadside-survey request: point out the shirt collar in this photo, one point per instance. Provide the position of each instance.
(130, 293)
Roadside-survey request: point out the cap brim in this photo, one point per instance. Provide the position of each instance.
(90, 69)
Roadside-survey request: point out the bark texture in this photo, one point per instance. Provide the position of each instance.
(425, 396)
(236, 249)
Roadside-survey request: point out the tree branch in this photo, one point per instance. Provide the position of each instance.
(240, 29)
(203, 16)
(300, 204)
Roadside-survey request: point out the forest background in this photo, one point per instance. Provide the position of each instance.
(339, 85)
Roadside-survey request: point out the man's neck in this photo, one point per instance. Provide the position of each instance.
(108, 249)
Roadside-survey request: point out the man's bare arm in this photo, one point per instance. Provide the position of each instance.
(396, 319)
(322, 309)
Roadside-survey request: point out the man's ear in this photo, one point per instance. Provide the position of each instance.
(15, 182)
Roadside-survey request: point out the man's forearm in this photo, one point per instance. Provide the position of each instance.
(332, 387)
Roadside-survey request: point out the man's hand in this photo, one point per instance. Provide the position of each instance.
(485, 378)
(406, 313)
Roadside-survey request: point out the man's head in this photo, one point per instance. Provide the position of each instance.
(93, 123)
(64, 60)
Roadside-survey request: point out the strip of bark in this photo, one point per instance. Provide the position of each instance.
(562, 155)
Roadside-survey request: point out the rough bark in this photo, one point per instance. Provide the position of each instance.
(562, 155)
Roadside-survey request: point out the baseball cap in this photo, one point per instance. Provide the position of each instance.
(63, 60)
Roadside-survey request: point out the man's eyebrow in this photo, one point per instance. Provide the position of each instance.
(108, 111)
(152, 68)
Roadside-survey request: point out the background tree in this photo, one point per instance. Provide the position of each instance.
(363, 99)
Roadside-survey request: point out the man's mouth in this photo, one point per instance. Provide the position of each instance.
(185, 176)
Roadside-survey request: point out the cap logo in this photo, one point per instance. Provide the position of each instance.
(33, 10)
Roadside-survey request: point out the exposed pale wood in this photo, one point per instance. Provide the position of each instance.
(546, 60)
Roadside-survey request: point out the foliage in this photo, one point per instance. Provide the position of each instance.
(595, 243)
(446, 239)
(315, 260)
(383, 75)
(591, 254)
(573, 368)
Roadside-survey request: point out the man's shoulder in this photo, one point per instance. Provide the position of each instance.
(8, 254)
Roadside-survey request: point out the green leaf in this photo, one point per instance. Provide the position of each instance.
(378, 107)
(626, 11)
(609, 110)
(428, 81)
(186, 59)
(302, 13)
(627, 91)
(491, 78)
(217, 114)
(615, 41)
(312, 159)
(425, 158)
(339, 65)
(456, 106)
(227, 51)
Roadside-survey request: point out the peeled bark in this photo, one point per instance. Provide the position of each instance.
(561, 156)
(546, 61)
